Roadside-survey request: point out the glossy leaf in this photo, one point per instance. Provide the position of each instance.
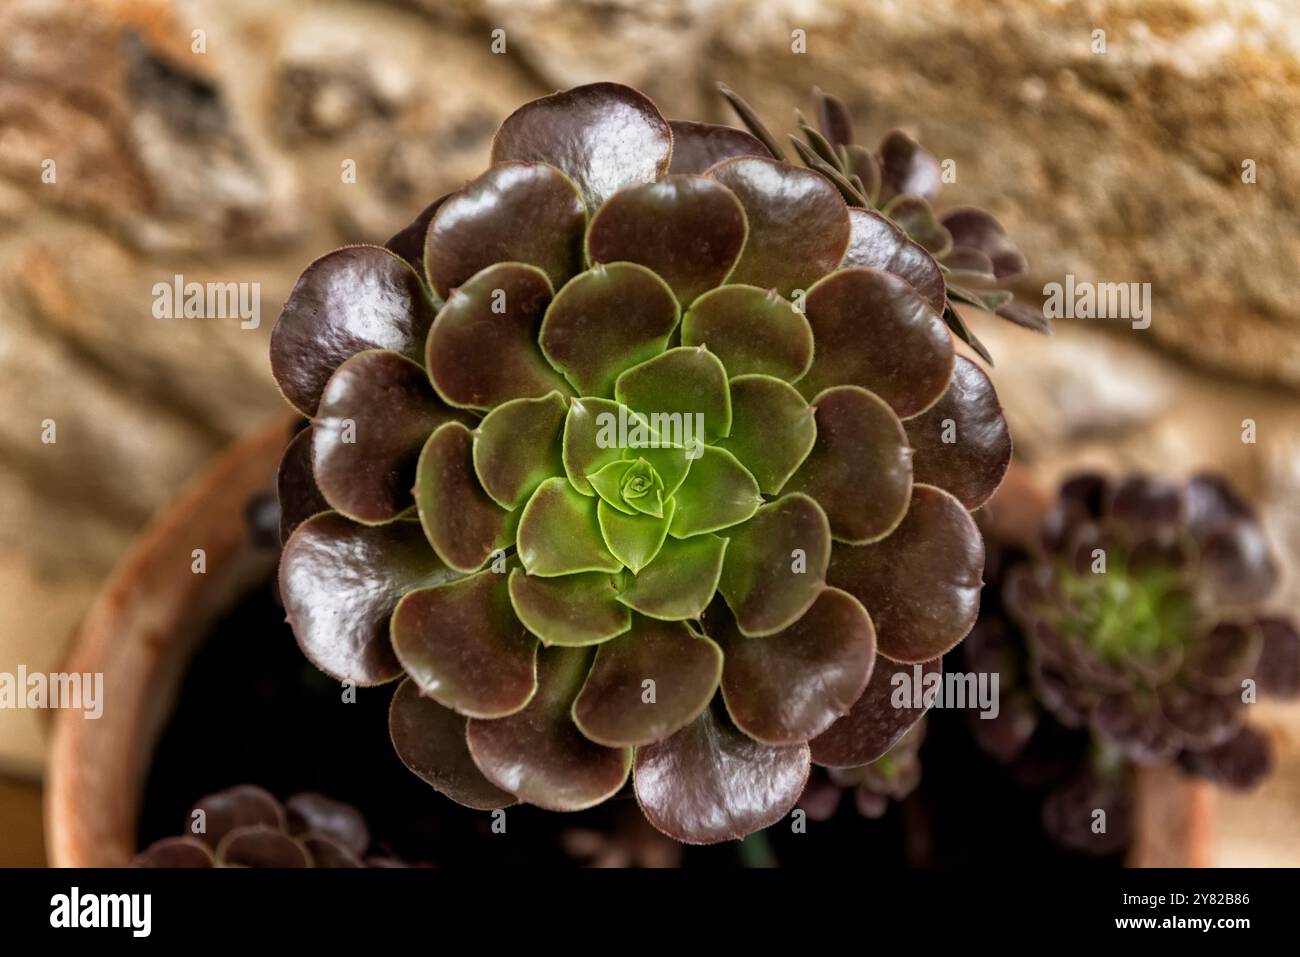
(876, 721)
(798, 223)
(790, 686)
(606, 320)
(430, 740)
(684, 385)
(772, 429)
(515, 212)
(517, 445)
(709, 782)
(922, 583)
(823, 146)
(974, 228)
(687, 229)
(295, 486)
(374, 416)
(860, 467)
(259, 846)
(350, 300)
(312, 813)
(879, 244)
(1026, 316)
(917, 219)
(863, 167)
(482, 349)
(245, 805)
(647, 683)
(813, 157)
(962, 443)
(174, 852)
(776, 565)
(604, 136)
(340, 582)
(462, 523)
(990, 300)
(559, 533)
(751, 330)
(967, 264)
(697, 146)
(834, 119)
(750, 118)
(586, 446)
(581, 609)
(680, 582)
(462, 645)
(873, 331)
(634, 540)
(539, 754)
(718, 493)
(907, 168)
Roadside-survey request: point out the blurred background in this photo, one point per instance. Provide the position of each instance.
(207, 138)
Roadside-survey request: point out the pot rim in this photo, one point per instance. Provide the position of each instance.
(140, 632)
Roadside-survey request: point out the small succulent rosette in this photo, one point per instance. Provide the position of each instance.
(245, 826)
(628, 460)
(894, 188)
(889, 778)
(1142, 621)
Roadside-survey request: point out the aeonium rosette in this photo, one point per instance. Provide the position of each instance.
(1134, 632)
(629, 459)
(1145, 622)
(245, 826)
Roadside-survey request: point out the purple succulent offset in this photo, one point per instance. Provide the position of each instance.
(1144, 623)
(891, 777)
(962, 255)
(626, 466)
(245, 826)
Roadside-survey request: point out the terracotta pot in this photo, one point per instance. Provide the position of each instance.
(140, 633)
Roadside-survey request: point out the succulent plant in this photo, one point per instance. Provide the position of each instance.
(245, 826)
(630, 458)
(891, 777)
(1139, 623)
(964, 251)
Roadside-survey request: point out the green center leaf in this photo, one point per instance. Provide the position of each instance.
(632, 486)
(1121, 615)
(643, 489)
(558, 534)
(634, 539)
(682, 393)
